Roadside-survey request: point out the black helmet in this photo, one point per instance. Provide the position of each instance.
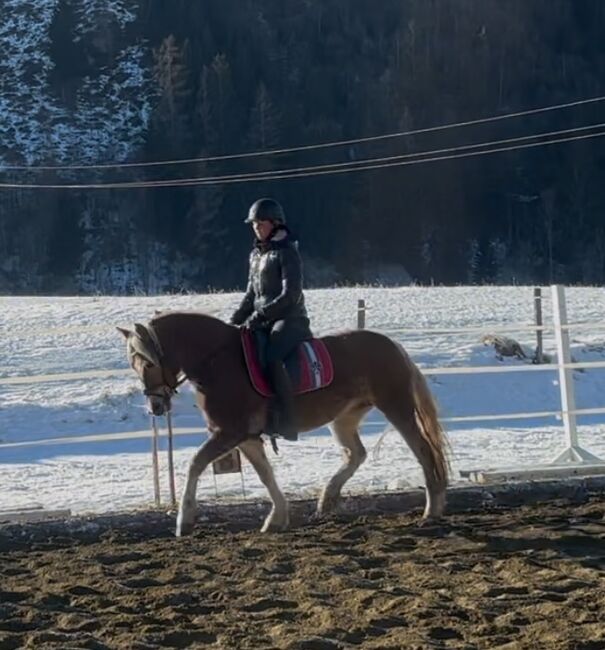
(266, 210)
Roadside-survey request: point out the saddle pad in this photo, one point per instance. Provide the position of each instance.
(315, 369)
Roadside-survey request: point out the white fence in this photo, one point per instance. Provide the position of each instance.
(572, 459)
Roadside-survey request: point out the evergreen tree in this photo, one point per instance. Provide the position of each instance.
(264, 77)
(264, 121)
(171, 116)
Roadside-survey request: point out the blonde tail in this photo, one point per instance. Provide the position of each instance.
(430, 427)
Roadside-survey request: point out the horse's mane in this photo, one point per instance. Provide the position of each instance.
(160, 316)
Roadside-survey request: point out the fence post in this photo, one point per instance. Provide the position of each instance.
(171, 483)
(539, 333)
(573, 453)
(361, 314)
(154, 461)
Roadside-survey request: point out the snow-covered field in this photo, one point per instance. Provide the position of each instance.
(61, 335)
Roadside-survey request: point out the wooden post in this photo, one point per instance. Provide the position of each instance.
(154, 461)
(171, 483)
(539, 358)
(361, 314)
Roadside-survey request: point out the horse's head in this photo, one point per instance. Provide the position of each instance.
(146, 358)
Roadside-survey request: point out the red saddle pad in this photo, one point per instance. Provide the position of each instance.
(316, 369)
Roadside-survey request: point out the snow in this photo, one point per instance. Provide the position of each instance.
(60, 335)
(112, 107)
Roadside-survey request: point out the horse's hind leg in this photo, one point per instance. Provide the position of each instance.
(408, 427)
(254, 450)
(345, 430)
(435, 488)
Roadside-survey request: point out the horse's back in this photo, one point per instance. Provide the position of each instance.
(364, 352)
(366, 340)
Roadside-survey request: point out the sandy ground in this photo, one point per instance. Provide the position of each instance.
(531, 577)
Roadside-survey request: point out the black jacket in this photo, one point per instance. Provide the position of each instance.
(274, 282)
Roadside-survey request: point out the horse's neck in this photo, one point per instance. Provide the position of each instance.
(188, 340)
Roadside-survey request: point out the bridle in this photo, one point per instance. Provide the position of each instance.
(166, 388)
(158, 381)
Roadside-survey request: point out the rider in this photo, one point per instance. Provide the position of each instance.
(274, 302)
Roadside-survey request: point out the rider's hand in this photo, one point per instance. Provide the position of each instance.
(256, 321)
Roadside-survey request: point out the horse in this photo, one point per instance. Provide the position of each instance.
(369, 370)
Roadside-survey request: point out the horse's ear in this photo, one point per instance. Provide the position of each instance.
(141, 330)
(125, 332)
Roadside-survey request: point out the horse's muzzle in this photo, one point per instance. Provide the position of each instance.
(157, 409)
(158, 405)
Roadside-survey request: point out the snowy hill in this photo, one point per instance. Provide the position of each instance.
(100, 116)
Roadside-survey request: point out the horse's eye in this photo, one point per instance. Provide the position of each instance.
(151, 374)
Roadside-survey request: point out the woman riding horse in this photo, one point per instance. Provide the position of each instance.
(370, 371)
(274, 303)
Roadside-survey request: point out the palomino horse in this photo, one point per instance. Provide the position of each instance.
(370, 370)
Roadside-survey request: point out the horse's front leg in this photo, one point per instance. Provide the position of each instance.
(278, 519)
(216, 446)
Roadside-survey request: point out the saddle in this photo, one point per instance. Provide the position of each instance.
(309, 365)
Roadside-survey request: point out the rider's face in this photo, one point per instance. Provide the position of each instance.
(262, 229)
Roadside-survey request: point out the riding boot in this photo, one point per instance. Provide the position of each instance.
(284, 424)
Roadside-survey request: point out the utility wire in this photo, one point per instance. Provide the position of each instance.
(311, 147)
(451, 153)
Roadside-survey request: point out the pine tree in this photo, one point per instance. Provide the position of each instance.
(264, 121)
(215, 105)
(171, 117)
(474, 257)
(210, 236)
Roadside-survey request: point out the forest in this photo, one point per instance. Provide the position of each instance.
(90, 84)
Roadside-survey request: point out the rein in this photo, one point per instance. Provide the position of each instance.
(169, 383)
(169, 388)
(165, 389)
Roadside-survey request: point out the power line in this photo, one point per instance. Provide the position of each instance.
(268, 175)
(402, 163)
(335, 168)
(311, 147)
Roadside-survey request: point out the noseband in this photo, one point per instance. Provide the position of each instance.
(165, 388)
(147, 345)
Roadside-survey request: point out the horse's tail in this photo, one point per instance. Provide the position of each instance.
(426, 415)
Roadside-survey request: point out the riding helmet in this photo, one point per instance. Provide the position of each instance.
(266, 210)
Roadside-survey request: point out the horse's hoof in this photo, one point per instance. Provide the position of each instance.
(323, 515)
(426, 522)
(327, 506)
(272, 527)
(184, 529)
(432, 527)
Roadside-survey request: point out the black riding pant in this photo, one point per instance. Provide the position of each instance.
(284, 336)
